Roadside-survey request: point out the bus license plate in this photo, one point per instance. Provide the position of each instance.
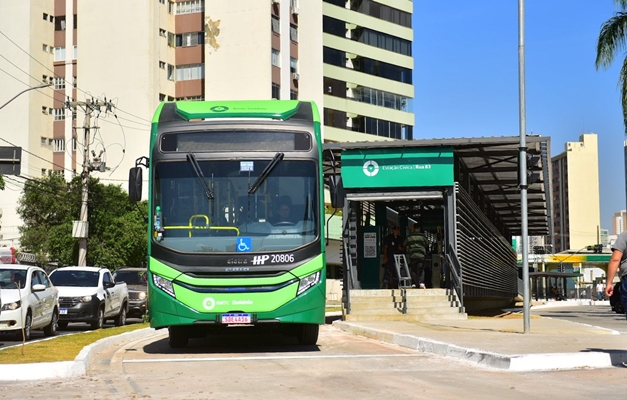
(63, 311)
(236, 319)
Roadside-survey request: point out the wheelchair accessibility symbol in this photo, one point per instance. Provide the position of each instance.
(244, 244)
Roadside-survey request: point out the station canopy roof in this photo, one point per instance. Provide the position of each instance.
(492, 163)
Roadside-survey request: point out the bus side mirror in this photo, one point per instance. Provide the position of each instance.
(135, 184)
(336, 189)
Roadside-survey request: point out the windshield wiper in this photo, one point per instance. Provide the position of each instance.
(192, 160)
(277, 158)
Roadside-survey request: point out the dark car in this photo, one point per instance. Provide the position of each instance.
(136, 280)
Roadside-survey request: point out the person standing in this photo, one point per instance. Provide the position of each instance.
(618, 265)
(416, 247)
(392, 244)
(600, 290)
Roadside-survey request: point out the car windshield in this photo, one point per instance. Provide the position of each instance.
(10, 278)
(235, 205)
(74, 278)
(131, 277)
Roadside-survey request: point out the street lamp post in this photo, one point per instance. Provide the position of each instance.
(24, 91)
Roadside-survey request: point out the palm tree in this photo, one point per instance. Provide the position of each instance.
(612, 39)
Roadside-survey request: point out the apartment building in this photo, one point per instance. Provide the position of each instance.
(619, 222)
(576, 199)
(352, 57)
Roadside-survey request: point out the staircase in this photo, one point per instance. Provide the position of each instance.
(404, 305)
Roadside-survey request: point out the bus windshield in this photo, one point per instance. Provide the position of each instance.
(233, 206)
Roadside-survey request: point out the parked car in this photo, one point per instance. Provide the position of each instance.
(136, 280)
(29, 301)
(89, 294)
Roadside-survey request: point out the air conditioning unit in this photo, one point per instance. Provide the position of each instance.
(295, 10)
(295, 76)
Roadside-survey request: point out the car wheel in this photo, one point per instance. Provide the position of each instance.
(121, 317)
(98, 323)
(26, 332)
(51, 329)
(308, 334)
(178, 338)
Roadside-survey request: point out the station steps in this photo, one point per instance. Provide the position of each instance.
(388, 304)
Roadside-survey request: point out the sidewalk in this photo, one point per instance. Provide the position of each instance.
(551, 344)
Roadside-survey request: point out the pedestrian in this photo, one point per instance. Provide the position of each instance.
(618, 265)
(416, 248)
(600, 290)
(392, 245)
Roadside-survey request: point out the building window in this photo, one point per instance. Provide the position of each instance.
(44, 110)
(293, 65)
(44, 141)
(293, 95)
(59, 23)
(293, 33)
(162, 1)
(190, 39)
(59, 83)
(58, 145)
(190, 98)
(59, 114)
(171, 39)
(43, 172)
(162, 32)
(74, 144)
(170, 72)
(74, 82)
(275, 25)
(59, 54)
(44, 47)
(276, 58)
(75, 53)
(190, 72)
(162, 64)
(161, 97)
(188, 7)
(45, 17)
(276, 91)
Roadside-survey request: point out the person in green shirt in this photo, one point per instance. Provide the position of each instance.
(416, 248)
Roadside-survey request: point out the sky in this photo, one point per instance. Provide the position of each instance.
(466, 78)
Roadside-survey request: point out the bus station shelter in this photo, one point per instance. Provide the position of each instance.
(465, 194)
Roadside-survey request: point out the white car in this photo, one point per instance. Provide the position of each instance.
(29, 301)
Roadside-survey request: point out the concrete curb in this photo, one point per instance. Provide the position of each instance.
(67, 369)
(519, 362)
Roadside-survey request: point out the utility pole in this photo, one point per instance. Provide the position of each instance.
(523, 163)
(84, 223)
(80, 228)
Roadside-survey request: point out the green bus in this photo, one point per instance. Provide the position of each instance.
(221, 251)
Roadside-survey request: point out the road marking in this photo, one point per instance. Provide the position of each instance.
(205, 359)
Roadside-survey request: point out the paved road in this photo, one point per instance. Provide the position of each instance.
(596, 315)
(341, 366)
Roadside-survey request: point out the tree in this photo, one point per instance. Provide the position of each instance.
(117, 228)
(613, 39)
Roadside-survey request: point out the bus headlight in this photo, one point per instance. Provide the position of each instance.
(11, 306)
(307, 282)
(163, 284)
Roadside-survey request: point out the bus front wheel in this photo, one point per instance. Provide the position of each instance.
(308, 334)
(178, 338)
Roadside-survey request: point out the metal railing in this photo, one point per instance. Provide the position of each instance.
(456, 274)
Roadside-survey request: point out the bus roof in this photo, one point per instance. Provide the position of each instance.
(271, 109)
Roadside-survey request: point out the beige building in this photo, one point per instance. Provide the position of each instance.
(353, 58)
(619, 222)
(576, 198)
